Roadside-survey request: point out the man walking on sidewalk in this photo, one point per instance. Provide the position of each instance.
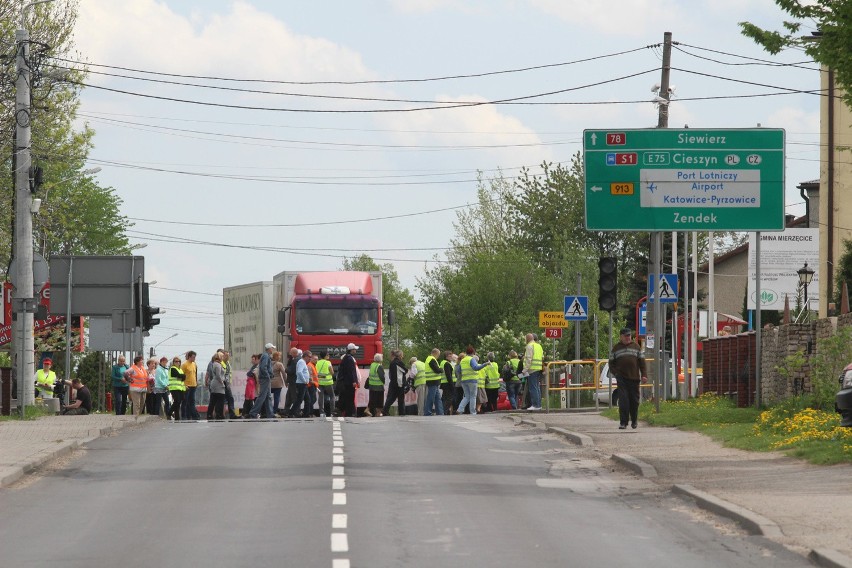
(628, 366)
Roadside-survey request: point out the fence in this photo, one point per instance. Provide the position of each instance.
(730, 367)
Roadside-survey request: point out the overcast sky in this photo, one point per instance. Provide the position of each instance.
(206, 184)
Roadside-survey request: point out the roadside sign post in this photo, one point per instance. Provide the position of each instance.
(683, 180)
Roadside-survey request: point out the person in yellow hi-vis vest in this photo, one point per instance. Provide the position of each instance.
(533, 364)
(45, 379)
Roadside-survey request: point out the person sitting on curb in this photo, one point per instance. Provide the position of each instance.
(83, 403)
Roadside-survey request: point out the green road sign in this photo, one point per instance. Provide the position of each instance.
(684, 180)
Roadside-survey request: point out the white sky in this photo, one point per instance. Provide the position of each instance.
(335, 167)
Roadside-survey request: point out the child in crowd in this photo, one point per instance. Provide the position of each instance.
(251, 385)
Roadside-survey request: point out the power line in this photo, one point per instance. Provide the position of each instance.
(318, 223)
(367, 111)
(739, 56)
(360, 82)
(187, 291)
(334, 145)
(799, 65)
(744, 82)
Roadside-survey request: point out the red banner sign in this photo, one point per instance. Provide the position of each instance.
(6, 323)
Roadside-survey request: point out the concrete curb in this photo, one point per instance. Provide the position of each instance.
(829, 558)
(10, 475)
(637, 465)
(749, 520)
(574, 437)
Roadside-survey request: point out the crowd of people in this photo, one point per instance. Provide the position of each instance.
(443, 383)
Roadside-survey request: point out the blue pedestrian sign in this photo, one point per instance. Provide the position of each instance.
(576, 308)
(667, 288)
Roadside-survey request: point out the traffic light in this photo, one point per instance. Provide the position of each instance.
(148, 319)
(144, 311)
(607, 283)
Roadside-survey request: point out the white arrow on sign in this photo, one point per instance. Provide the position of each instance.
(594, 139)
(597, 188)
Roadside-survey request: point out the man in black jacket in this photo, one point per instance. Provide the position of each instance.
(347, 377)
(396, 383)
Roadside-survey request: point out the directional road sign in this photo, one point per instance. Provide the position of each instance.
(667, 288)
(555, 333)
(576, 308)
(684, 179)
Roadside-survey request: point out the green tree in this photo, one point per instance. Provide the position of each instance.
(829, 45)
(843, 272)
(78, 216)
(395, 295)
(462, 302)
(90, 370)
(549, 210)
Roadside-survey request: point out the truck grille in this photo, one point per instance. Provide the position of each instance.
(336, 351)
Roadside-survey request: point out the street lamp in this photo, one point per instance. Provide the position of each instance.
(90, 171)
(154, 348)
(805, 277)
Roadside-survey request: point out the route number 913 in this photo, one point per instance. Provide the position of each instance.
(623, 188)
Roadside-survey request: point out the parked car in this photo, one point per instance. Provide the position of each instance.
(843, 399)
(607, 391)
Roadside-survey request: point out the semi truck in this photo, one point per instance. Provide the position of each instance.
(316, 311)
(325, 311)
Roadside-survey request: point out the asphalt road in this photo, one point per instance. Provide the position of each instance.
(437, 491)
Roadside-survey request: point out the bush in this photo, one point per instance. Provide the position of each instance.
(832, 355)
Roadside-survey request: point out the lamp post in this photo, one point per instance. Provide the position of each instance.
(805, 277)
(154, 348)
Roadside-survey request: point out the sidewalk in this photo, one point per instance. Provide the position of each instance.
(805, 507)
(27, 445)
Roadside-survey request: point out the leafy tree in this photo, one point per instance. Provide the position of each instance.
(486, 225)
(463, 302)
(828, 46)
(501, 339)
(78, 216)
(549, 210)
(90, 371)
(395, 295)
(843, 272)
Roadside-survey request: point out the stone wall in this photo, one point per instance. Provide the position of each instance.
(725, 372)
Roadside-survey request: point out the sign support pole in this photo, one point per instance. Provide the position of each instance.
(757, 326)
(657, 236)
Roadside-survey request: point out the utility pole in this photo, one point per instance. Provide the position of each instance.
(23, 305)
(656, 314)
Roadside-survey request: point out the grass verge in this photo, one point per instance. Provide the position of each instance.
(792, 427)
(31, 413)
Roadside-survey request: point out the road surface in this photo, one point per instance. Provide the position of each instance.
(414, 491)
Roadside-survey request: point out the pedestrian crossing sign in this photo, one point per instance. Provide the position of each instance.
(576, 308)
(667, 288)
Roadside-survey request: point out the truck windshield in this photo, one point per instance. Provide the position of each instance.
(336, 321)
